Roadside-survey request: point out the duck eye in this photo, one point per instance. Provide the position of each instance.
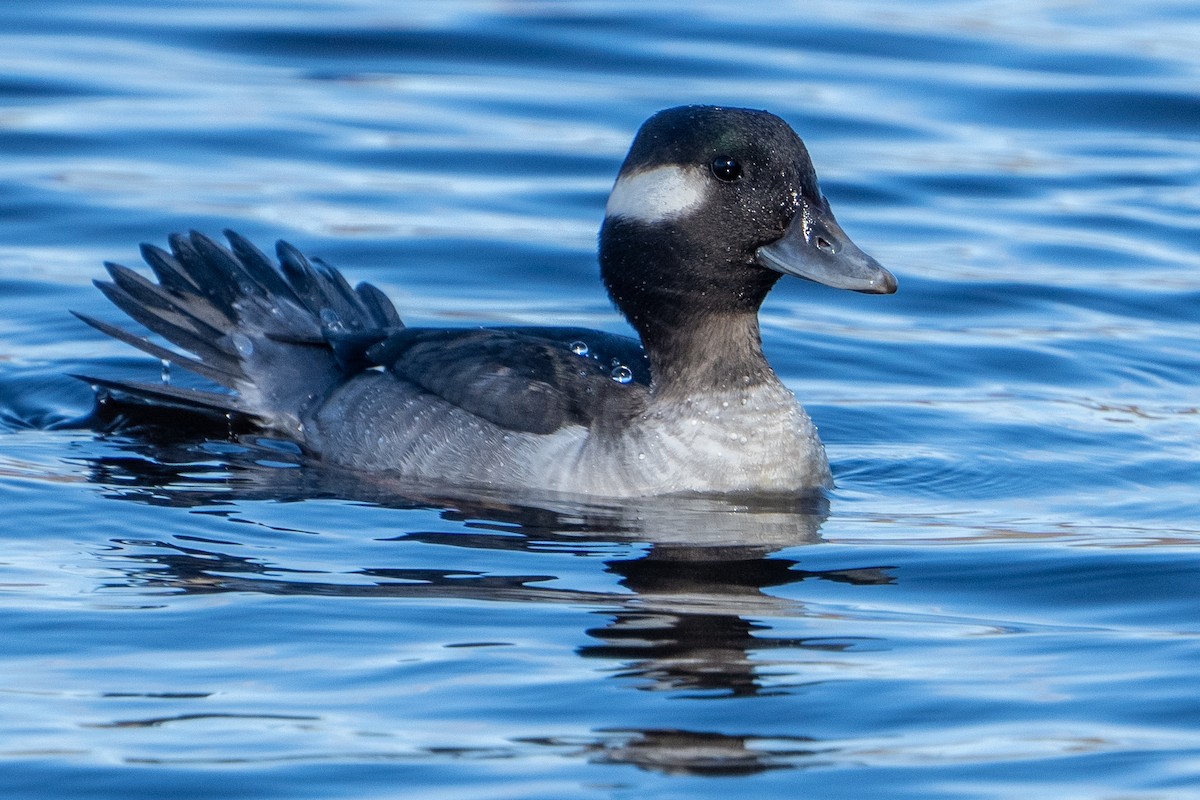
(726, 169)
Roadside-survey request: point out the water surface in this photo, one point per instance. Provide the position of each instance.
(997, 601)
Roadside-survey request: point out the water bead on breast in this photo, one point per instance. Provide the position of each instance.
(621, 374)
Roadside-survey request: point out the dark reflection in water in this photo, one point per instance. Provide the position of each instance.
(156, 722)
(677, 752)
(684, 619)
(685, 634)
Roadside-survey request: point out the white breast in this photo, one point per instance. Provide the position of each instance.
(754, 440)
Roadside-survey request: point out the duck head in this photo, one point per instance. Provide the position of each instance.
(711, 207)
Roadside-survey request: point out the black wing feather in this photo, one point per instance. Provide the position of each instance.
(512, 377)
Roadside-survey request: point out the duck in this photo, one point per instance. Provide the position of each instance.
(710, 208)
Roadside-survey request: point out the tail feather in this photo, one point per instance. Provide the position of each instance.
(204, 321)
(260, 267)
(379, 306)
(322, 287)
(194, 400)
(212, 268)
(146, 346)
(278, 336)
(168, 270)
(181, 330)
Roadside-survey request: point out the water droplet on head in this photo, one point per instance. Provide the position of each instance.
(622, 374)
(166, 372)
(243, 344)
(580, 348)
(641, 456)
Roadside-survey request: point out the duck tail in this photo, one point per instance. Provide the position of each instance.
(274, 337)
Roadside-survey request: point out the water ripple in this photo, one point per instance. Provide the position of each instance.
(1003, 578)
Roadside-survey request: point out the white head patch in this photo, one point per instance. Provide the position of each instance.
(658, 194)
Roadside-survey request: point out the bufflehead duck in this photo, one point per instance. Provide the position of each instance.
(711, 207)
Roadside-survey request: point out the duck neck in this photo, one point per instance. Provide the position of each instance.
(710, 354)
(695, 306)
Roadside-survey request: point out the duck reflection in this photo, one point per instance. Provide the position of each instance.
(685, 620)
(677, 752)
(684, 636)
(703, 573)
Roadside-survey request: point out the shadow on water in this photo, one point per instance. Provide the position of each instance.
(683, 620)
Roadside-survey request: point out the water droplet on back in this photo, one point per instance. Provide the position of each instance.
(331, 321)
(580, 348)
(622, 374)
(166, 372)
(243, 344)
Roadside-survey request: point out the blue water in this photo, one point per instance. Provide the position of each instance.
(999, 600)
